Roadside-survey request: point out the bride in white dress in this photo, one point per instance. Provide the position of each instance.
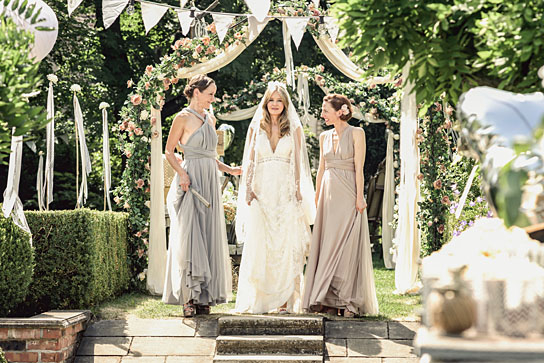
(275, 208)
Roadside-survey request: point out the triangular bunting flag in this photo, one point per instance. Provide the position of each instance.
(182, 3)
(255, 26)
(259, 8)
(297, 27)
(151, 14)
(72, 5)
(222, 24)
(111, 9)
(185, 20)
(332, 27)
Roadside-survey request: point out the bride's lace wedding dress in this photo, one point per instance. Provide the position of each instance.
(277, 233)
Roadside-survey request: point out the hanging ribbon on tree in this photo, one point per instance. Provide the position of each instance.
(106, 154)
(81, 193)
(50, 144)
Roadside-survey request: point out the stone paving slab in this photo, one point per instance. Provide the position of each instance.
(401, 360)
(356, 329)
(140, 327)
(142, 346)
(143, 359)
(189, 359)
(380, 348)
(403, 330)
(207, 328)
(98, 359)
(353, 360)
(336, 348)
(104, 346)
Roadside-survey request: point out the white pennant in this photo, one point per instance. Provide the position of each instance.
(111, 9)
(84, 152)
(185, 20)
(297, 27)
(256, 26)
(152, 14)
(332, 27)
(222, 24)
(72, 5)
(259, 8)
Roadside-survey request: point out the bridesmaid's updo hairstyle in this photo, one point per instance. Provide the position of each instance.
(340, 102)
(200, 82)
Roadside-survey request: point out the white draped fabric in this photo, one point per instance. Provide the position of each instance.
(388, 204)
(106, 156)
(407, 236)
(111, 9)
(50, 145)
(151, 14)
(12, 205)
(39, 183)
(84, 153)
(338, 58)
(238, 115)
(157, 230)
(226, 56)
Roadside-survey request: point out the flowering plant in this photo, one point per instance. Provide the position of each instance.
(229, 203)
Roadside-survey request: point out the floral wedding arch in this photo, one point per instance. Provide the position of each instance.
(142, 184)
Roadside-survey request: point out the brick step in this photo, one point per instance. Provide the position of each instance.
(270, 325)
(270, 345)
(268, 359)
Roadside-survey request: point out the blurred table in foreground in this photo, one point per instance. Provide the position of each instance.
(474, 348)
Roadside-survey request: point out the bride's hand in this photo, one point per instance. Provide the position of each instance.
(298, 195)
(250, 195)
(184, 182)
(360, 205)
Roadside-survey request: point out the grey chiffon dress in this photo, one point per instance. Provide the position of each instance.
(339, 272)
(198, 262)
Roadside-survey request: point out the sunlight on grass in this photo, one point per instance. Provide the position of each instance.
(392, 307)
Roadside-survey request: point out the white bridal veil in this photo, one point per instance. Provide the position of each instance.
(299, 165)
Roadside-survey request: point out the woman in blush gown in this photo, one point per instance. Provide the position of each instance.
(339, 273)
(275, 208)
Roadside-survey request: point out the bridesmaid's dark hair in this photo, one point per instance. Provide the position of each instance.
(200, 82)
(337, 101)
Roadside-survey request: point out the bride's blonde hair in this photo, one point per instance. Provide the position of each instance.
(283, 121)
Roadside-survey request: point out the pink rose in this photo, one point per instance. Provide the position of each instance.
(126, 205)
(138, 234)
(130, 83)
(140, 252)
(206, 40)
(136, 99)
(128, 154)
(131, 126)
(147, 85)
(148, 70)
(117, 200)
(198, 49)
(139, 131)
(437, 184)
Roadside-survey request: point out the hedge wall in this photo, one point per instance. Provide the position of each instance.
(80, 259)
(16, 260)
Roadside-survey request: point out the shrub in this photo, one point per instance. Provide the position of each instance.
(81, 259)
(2, 357)
(16, 260)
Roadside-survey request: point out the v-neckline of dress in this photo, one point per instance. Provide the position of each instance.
(340, 137)
(204, 121)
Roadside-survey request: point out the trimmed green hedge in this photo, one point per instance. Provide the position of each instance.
(16, 260)
(81, 259)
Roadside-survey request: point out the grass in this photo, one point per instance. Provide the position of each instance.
(392, 307)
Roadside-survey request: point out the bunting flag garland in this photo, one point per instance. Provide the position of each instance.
(259, 8)
(185, 21)
(297, 27)
(332, 27)
(222, 24)
(151, 14)
(111, 9)
(72, 5)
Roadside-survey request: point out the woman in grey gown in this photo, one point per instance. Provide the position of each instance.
(198, 272)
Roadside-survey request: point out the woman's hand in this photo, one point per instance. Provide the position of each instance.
(298, 195)
(250, 195)
(184, 181)
(236, 170)
(360, 204)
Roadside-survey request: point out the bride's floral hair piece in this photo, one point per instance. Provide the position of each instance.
(340, 103)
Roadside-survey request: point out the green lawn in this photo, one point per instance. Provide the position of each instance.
(392, 307)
